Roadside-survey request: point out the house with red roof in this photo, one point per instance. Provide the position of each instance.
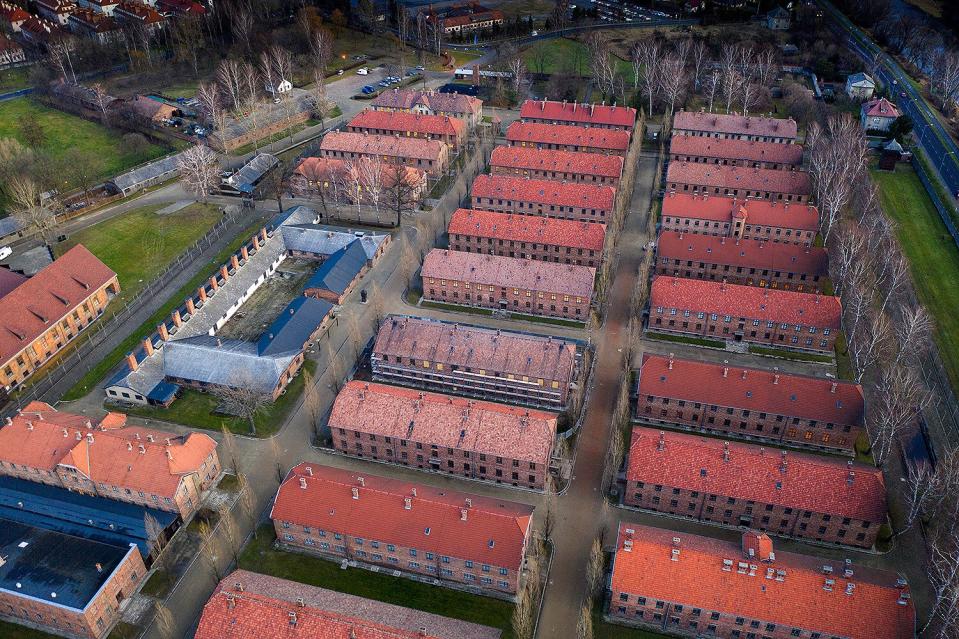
(413, 125)
(44, 313)
(431, 156)
(726, 483)
(180, 8)
(878, 114)
(733, 312)
(37, 31)
(108, 458)
(790, 267)
(462, 540)
(601, 116)
(687, 585)
(491, 364)
(57, 11)
(750, 403)
(12, 16)
(733, 126)
(247, 604)
(527, 236)
(565, 137)
(759, 155)
(136, 13)
(430, 102)
(94, 25)
(517, 284)
(740, 218)
(566, 166)
(548, 198)
(442, 433)
(738, 182)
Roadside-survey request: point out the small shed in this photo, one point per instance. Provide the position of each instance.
(890, 154)
(283, 86)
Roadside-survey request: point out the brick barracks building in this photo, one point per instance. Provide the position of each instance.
(740, 218)
(566, 166)
(458, 538)
(692, 586)
(599, 116)
(508, 283)
(562, 137)
(758, 155)
(749, 262)
(431, 156)
(107, 458)
(732, 312)
(246, 604)
(733, 484)
(738, 182)
(750, 403)
(446, 128)
(429, 102)
(548, 198)
(42, 314)
(735, 127)
(527, 236)
(442, 433)
(500, 366)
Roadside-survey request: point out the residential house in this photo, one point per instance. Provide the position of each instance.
(778, 19)
(860, 86)
(11, 53)
(446, 128)
(878, 114)
(57, 11)
(12, 16)
(429, 102)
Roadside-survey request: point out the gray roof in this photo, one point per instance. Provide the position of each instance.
(323, 241)
(9, 225)
(856, 78)
(294, 326)
(252, 172)
(147, 172)
(339, 270)
(31, 261)
(224, 362)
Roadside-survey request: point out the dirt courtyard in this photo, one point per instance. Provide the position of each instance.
(258, 312)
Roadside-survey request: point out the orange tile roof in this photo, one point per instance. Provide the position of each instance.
(11, 13)
(435, 101)
(586, 137)
(745, 471)
(492, 532)
(445, 420)
(755, 389)
(382, 145)
(739, 177)
(582, 114)
(735, 124)
(758, 212)
(517, 189)
(36, 305)
(750, 302)
(319, 169)
(575, 162)
(699, 146)
(759, 254)
(510, 272)
(106, 451)
(880, 107)
(402, 121)
(789, 590)
(528, 228)
(260, 609)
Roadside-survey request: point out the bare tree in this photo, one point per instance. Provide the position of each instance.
(243, 397)
(682, 47)
(228, 449)
(712, 84)
(649, 55)
(926, 488)
(871, 344)
(898, 398)
(766, 66)
(401, 188)
(371, 180)
(246, 501)
(594, 569)
(30, 208)
(156, 536)
(210, 98)
(250, 83)
(242, 22)
(312, 402)
(913, 332)
(59, 53)
(207, 551)
(230, 79)
(673, 80)
(103, 100)
(729, 73)
(837, 160)
(200, 171)
(699, 60)
(943, 573)
(945, 76)
(584, 627)
(164, 621)
(230, 532)
(518, 70)
(524, 615)
(893, 275)
(276, 454)
(601, 62)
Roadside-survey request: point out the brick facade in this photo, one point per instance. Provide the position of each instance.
(570, 166)
(578, 202)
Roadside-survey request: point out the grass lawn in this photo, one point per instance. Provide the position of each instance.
(682, 339)
(11, 631)
(456, 308)
(932, 253)
(606, 630)
(462, 58)
(566, 55)
(158, 585)
(103, 367)
(260, 556)
(14, 79)
(139, 244)
(65, 131)
(125, 631)
(793, 355)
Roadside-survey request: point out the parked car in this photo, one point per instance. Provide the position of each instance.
(5, 252)
(369, 89)
(363, 71)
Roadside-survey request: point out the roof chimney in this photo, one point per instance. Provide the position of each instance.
(141, 449)
(361, 481)
(355, 492)
(725, 451)
(661, 446)
(309, 470)
(463, 513)
(407, 503)
(725, 368)
(670, 364)
(303, 483)
(832, 388)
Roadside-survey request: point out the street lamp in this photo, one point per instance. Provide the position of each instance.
(942, 158)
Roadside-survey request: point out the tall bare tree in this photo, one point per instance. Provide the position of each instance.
(156, 536)
(230, 532)
(699, 60)
(312, 403)
(246, 501)
(673, 80)
(601, 62)
(730, 76)
(401, 189)
(200, 171)
(943, 574)
(243, 397)
(30, 208)
(164, 621)
(230, 79)
(898, 398)
(208, 552)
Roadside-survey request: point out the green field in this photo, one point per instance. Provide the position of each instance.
(139, 244)
(14, 79)
(932, 253)
(260, 556)
(64, 131)
(11, 631)
(791, 355)
(565, 55)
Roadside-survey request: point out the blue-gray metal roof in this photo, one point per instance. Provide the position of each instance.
(55, 567)
(250, 174)
(294, 326)
(339, 270)
(94, 518)
(9, 225)
(224, 362)
(142, 174)
(309, 238)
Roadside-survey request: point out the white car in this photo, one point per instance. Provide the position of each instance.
(362, 71)
(5, 252)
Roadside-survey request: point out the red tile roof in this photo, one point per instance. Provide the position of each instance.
(9, 280)
(436, 102)
(739, 177)
(586, 137)
(492, 532)
(758, 212)
(444, 420)
(575, 162)
(495, 351)
(107, 451)
(319, 169)
(752, 389)
(510, 272)
(735, 124)
(382, 145)
(788, 590)
(528, 228)
(11, 13)
(760, 254)
(490, 15)
(699, 146)
(782, 307)
(402, 121)
(582, 114)
(260, 609)
(517, 189)
(754, 473)
(144, 13)
(32, 308)
(880, 108)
